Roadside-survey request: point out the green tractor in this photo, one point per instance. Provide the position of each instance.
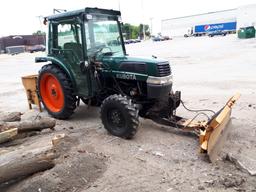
(87, 61)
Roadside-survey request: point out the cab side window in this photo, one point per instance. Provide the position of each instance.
(69, 39)
(65, 35)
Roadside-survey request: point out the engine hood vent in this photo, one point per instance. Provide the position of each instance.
(163, 69)
(134, 67)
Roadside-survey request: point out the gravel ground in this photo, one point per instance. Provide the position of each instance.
(207, 71)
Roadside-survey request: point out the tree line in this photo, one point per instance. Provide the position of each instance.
(134, 32)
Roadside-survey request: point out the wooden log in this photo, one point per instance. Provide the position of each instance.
(29, 125)
(10, 117)
(8, 135)
(27, 160)
(57, 139)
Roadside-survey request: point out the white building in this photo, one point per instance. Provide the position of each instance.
(243, 16)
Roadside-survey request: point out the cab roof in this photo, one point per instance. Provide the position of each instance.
(87, 10)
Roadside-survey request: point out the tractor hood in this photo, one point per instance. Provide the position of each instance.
(138, 65)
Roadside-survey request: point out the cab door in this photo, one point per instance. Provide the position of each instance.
(69, 49)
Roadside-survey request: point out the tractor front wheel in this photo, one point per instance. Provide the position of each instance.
(120, 116)
(56, 92)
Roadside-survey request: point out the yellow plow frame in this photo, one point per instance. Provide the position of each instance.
(213, 133)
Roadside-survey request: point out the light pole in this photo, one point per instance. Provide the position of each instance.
(41, 26)
(119, 5)
(151, 25)
(39, 18)
(143, 27)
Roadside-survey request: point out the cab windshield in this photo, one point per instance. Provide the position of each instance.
(103, 37)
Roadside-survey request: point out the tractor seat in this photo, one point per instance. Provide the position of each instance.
(76, 48)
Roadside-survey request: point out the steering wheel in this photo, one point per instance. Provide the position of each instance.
(115, 42)
(97, 50)
(100, 52)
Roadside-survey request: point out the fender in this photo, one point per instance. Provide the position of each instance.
(60, 64)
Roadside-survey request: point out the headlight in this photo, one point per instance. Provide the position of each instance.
(159, 80)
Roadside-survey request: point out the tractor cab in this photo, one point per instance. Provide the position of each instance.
(76, 38)
(91, 32)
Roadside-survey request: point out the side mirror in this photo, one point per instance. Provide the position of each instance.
(84, 66)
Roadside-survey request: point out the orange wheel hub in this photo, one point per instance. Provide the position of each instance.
(51, 92)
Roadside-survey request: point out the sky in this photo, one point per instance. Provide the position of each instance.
(19, 17)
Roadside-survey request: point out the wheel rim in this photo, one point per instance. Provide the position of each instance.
(116, 119)
(51, 92)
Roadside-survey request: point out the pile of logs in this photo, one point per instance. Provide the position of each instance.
(11, 125)
(25, 160)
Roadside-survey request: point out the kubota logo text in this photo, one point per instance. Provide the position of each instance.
(126, 76)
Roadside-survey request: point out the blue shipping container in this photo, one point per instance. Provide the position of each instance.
(231, 26)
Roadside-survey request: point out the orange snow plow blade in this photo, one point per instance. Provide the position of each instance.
(216, 130)
(212, 133)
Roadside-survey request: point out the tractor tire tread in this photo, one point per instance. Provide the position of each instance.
(131, 112)
(70, 98)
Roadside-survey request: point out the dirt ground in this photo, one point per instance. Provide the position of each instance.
(207, 71)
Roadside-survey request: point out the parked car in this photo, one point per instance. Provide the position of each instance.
(161, 38)
(36, 48)
(157, 38)
(217, 33)
(129, 41)
(137, 40)
(166, 38)
(126, 42)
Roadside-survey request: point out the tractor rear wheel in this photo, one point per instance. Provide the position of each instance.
(120, 116)
(56, 92)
